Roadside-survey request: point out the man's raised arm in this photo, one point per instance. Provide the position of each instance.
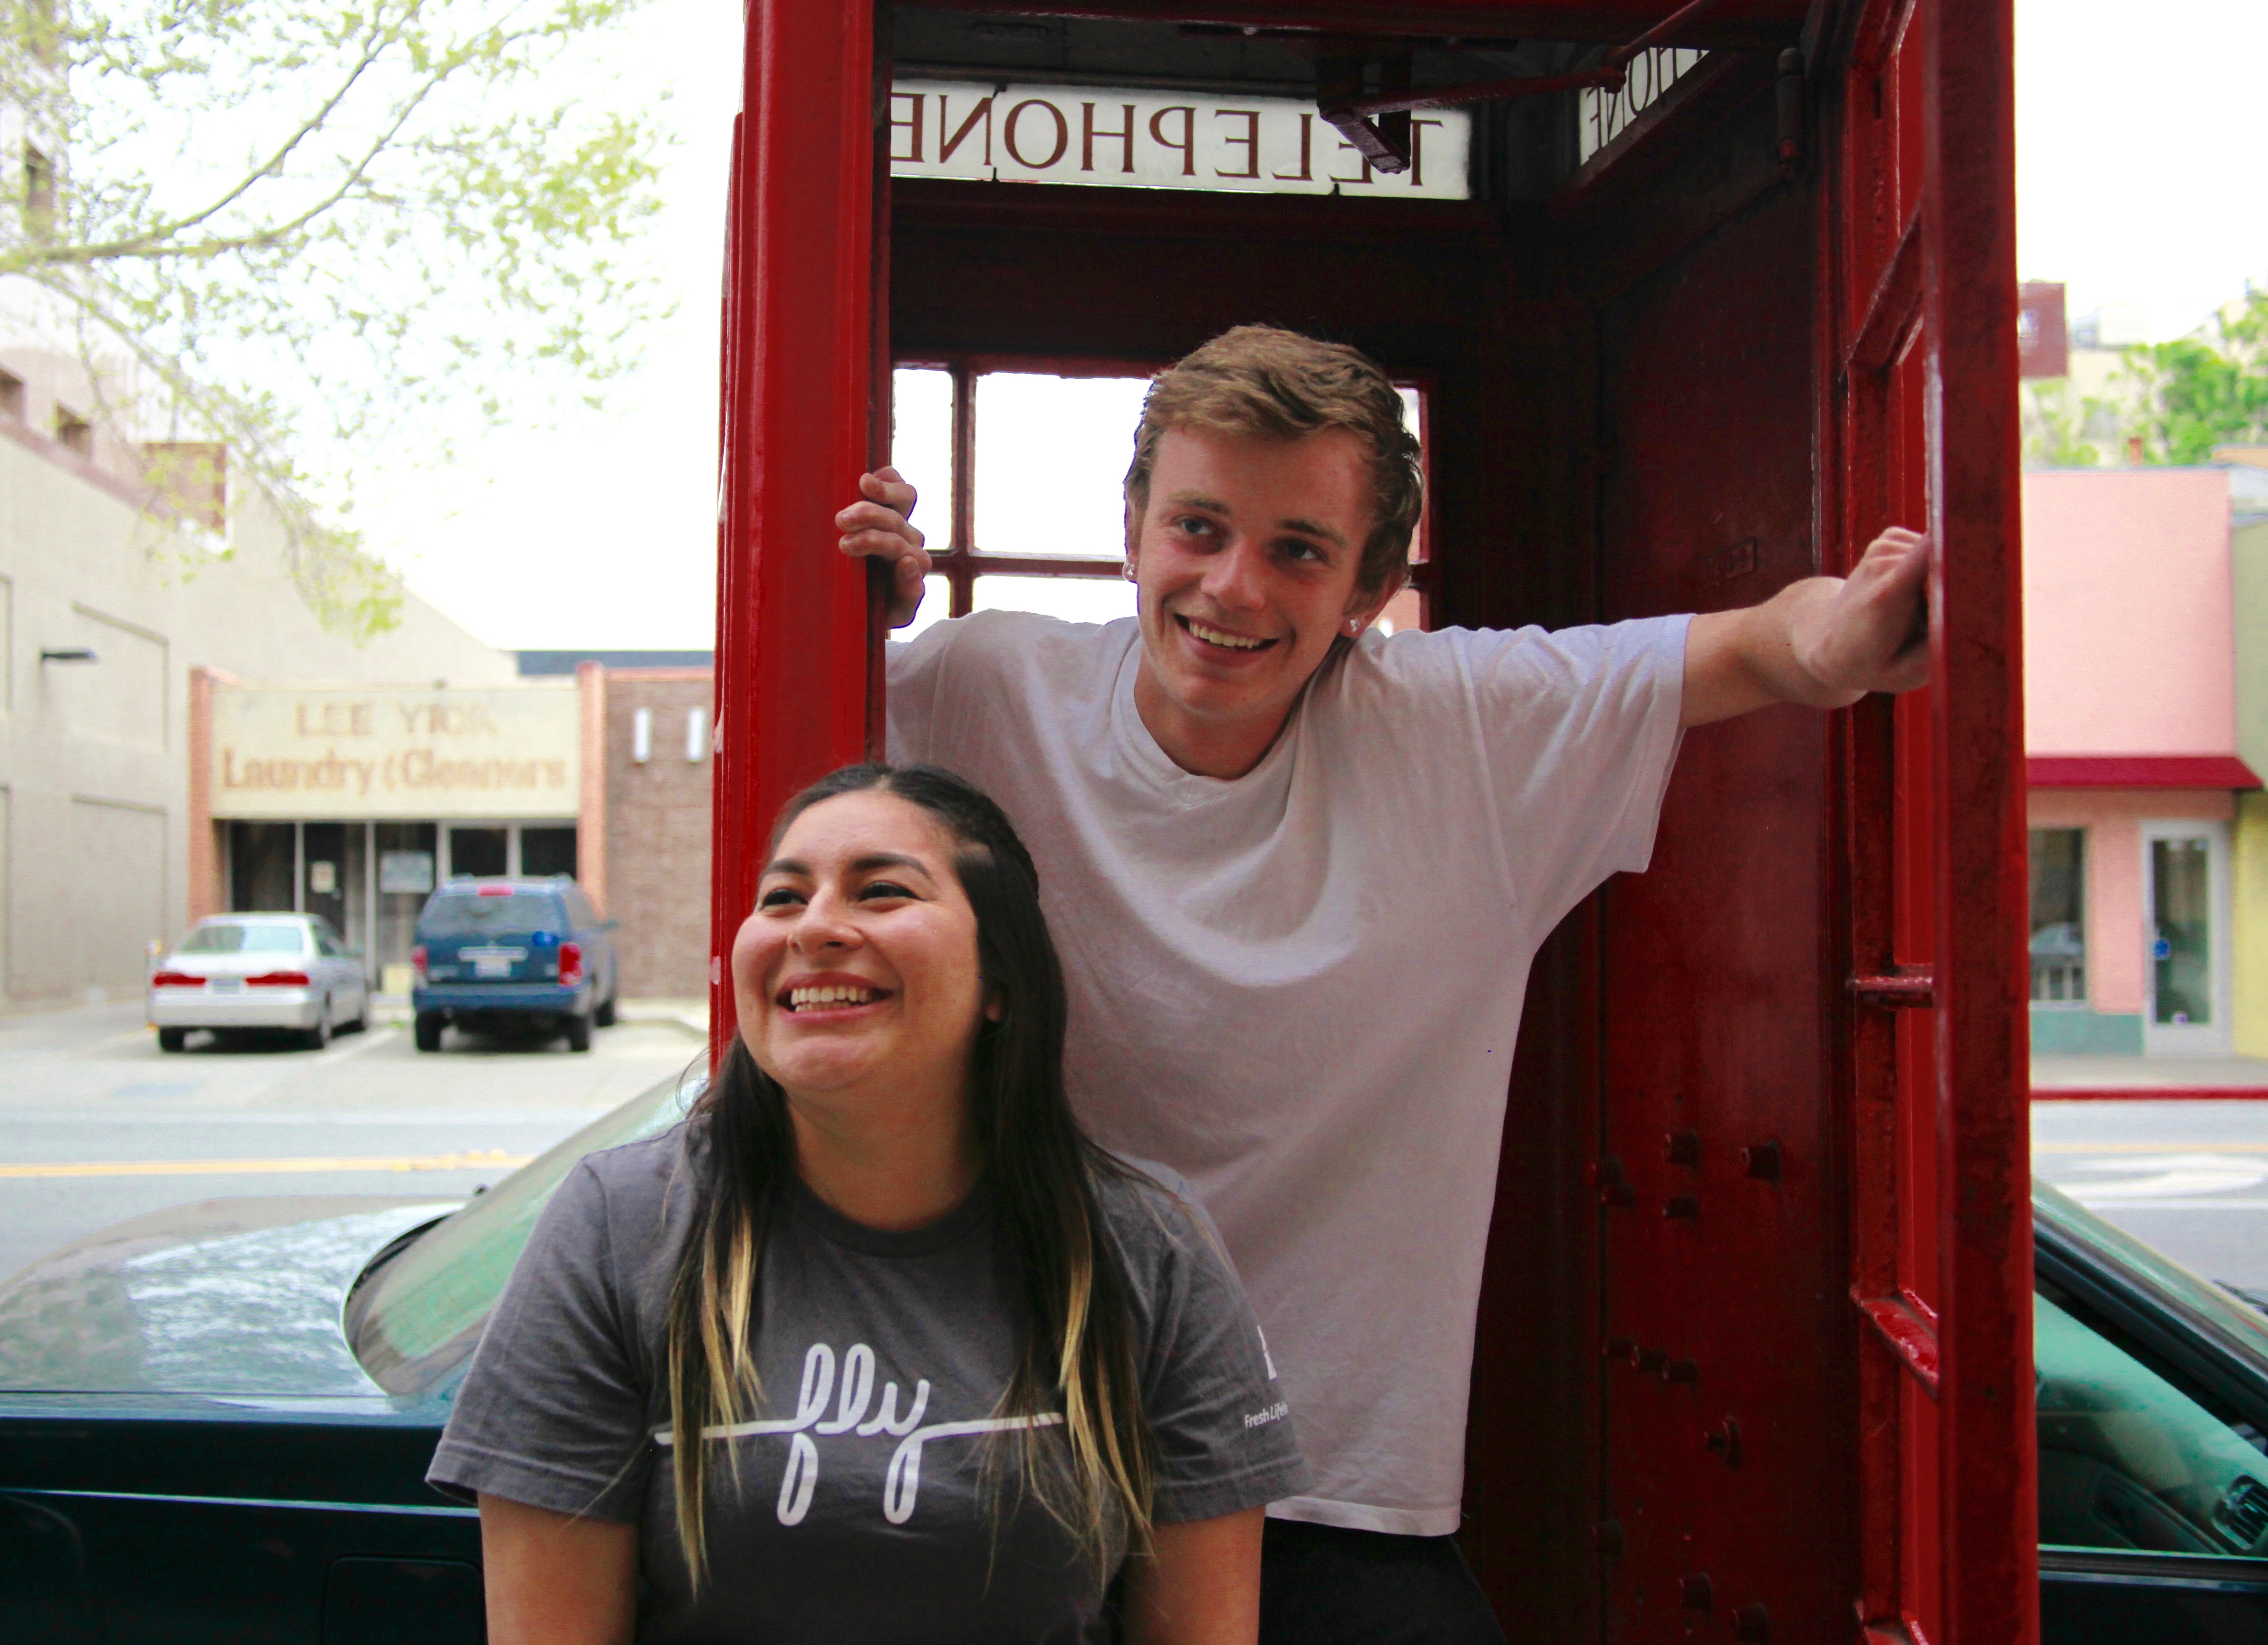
(1825, 641)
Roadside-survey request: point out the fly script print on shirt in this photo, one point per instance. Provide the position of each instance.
(901, 1484)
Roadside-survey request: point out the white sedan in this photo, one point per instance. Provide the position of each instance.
(259, 970)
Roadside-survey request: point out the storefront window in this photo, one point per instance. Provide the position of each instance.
(406, 875)
(546, 851)
(2058, 916)
(484, 853)
(262, 861)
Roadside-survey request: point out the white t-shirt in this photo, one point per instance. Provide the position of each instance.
(1301, 988)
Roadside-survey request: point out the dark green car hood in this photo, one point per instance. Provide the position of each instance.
(227, 1297)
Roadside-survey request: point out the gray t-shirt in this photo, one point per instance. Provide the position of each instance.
(878, 1496)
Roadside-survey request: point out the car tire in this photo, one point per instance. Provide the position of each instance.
(318, 1037)
(172, 1039)
(428, 1031)
(604, 1016)
(579, 1033)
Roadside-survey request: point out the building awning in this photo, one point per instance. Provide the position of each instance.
(2139, 771)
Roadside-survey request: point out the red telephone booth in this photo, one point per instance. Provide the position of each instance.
(1754, 1349)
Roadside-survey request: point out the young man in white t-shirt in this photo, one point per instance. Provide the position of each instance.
(1298, 869)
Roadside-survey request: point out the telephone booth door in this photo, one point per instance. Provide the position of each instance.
(1754, 1347)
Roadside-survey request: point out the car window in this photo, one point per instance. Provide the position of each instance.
(469, 913)
(419, 1313)
(324, 945)
(243, 939)
(2128, 1458)
(579, 905)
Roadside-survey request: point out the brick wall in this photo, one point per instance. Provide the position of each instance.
(658, 833)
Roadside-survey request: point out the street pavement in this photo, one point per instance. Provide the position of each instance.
(2223, 1073)
(2189, 1178)
(97, 1124)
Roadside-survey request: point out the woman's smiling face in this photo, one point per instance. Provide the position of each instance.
(858, 967)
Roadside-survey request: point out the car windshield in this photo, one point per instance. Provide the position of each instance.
(2207, 1307)
(490, 914)
(419, 1312)
(228, 937)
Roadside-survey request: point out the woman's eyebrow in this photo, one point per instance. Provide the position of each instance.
(873, 860)
(786, 865)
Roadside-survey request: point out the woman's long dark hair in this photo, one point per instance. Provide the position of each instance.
(1075, 1339)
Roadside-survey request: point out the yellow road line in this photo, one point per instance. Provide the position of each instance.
(490, 1159)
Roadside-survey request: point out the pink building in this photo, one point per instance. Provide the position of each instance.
(2133, 648)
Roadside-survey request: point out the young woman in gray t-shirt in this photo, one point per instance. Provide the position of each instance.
(952, 1368)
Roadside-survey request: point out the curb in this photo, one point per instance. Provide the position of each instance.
(697, 1026)
(2161, 1093)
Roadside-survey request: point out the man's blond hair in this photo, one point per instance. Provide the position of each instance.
(1266, 382)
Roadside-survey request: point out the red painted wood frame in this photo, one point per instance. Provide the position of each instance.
(1915, 942)
(1917, 301)
(805, 411)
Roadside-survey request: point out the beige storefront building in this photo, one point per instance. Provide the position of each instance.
(354, 802)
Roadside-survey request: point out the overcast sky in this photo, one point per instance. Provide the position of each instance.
(2138, 181)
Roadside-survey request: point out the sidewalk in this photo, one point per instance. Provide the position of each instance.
(692, 1016)
(2077, 1078)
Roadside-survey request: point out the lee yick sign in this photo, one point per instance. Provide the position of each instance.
(397, 751)
(1115, 136)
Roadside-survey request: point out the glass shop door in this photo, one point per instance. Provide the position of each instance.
(2185, 962)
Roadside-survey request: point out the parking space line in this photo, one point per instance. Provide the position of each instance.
(368, 1039)
(476, 1159)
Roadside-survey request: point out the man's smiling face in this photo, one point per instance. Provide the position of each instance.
(1247, 559)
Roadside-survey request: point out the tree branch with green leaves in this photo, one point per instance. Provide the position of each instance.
(338, 239)
(2202, 391)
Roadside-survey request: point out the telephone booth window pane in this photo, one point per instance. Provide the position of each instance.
(2058, 916)
(1405, 610)
(1051, 456)
(1072, 598)
(936, 606)
(2181, 952)
(1413, 418)
(921, 446)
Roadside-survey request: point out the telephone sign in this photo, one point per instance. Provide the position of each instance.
(1145, 138)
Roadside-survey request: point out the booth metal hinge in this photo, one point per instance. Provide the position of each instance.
(1907, 988)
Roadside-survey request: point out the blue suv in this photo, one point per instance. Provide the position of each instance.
(496, 951)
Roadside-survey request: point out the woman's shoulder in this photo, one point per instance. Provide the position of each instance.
(1151, 1212)
(627, 1186)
